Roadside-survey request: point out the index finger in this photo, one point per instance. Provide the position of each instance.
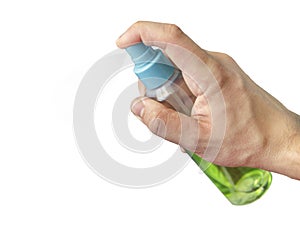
(192, 60)
(161, 35)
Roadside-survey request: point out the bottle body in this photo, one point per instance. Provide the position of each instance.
(240, 185)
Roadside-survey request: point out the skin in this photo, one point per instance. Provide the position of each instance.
(260, 131)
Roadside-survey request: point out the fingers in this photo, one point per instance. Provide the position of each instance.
(144, 31)
(167, 123)
(194, 62)
(161, 35)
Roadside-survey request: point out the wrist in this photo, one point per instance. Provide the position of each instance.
(288, 158)
(281, 153)
(294, 150)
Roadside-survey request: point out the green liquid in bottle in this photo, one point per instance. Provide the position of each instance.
(240, 185)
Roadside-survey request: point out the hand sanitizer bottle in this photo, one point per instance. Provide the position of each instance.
(164, 82)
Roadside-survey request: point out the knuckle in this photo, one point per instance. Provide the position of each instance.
(222, 58)
(159, 122)
(220, 73)
(173, 30)
(239, 83)
(220, 69)
(137, 24)
(238, 87)
(227, 56)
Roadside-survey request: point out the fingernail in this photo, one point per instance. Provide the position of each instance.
(137, 107)
(123, 39)
(118, 39)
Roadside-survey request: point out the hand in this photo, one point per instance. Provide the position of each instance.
(260, 131)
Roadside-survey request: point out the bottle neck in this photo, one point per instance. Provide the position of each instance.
(174, 94)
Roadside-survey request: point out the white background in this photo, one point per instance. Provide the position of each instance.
(46, 47)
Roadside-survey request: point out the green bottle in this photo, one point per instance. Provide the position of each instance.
(164, 82)
(240, 185)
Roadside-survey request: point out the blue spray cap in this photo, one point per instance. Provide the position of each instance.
(152, 67)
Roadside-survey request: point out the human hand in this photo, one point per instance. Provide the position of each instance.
(260, 131)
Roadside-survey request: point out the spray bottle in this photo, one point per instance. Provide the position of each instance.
(240, 185)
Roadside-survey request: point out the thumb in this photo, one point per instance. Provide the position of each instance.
(167, 123)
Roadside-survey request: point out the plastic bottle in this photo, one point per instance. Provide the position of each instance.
(164, 82)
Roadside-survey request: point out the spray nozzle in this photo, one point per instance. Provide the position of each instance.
(152, 67)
